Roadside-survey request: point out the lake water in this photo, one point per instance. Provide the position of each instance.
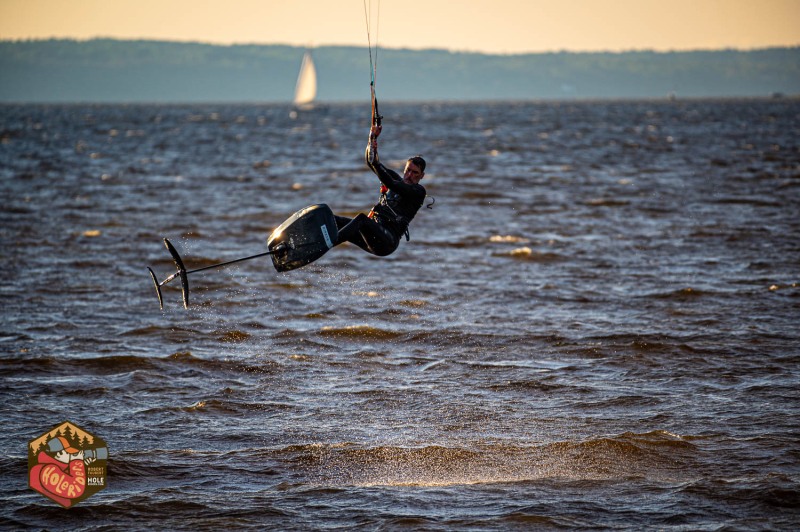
(595, 325)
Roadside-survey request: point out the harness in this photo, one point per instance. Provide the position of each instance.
(383, 202)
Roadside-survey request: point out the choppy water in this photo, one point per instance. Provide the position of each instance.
(595, 326)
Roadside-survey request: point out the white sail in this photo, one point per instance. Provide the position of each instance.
(306, 89)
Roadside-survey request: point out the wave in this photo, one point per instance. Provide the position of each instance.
(117, 364)
(233, 336)
(681, 294)
(746, 201)
(506, 239)
(527, 254)
(466, 242)
(478, 195)
(159, 331)
(606, 202)
(222, 407)
(774, 491)
(413, 303)
(657, 344)
(356, 332)
(658, 454)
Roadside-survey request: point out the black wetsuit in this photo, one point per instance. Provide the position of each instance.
(381, 234)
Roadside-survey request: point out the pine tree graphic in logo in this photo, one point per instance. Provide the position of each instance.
(67, 464)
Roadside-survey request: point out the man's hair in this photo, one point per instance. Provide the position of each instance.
(419, 161)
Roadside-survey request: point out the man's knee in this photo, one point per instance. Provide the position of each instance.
(348, 231)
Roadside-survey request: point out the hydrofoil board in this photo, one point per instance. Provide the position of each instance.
(303, 238)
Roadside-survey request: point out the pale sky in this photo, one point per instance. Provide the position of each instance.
(492, 26)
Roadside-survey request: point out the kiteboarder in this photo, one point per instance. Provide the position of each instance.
(380, 232)
(310, 232)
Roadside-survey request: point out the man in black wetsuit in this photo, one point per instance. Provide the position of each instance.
(401, 198)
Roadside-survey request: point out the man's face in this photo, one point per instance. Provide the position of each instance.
(412, 174)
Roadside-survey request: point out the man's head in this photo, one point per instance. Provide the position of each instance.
(414, 170)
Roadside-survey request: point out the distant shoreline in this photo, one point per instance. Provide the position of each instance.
(144, 71)
(402, 48)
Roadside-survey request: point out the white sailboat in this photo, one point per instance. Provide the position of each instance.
(306, 88)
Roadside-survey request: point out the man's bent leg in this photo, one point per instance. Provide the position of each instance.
(366, 234)
(349, 229)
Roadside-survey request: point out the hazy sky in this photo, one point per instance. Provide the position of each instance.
(495, 26)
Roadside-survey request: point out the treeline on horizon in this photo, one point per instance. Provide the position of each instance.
(133, 71)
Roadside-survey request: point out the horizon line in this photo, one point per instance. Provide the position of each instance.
(400, 48)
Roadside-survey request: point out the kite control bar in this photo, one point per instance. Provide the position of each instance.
(377, 118)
